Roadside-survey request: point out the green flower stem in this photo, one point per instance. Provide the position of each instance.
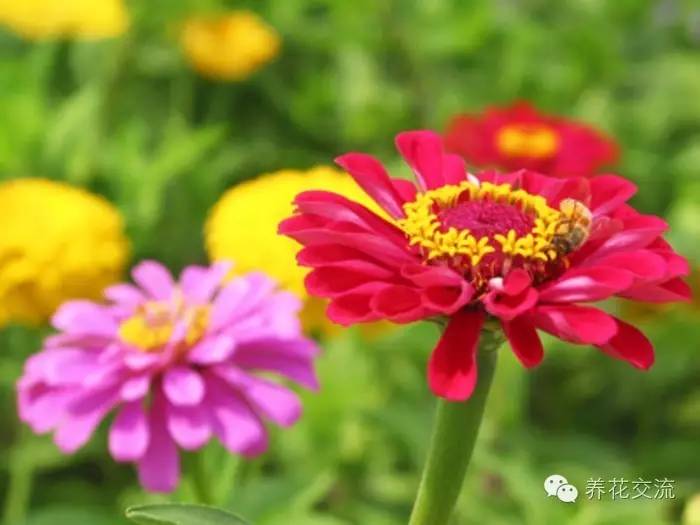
(19, 491)
(200, 479)
(452, 443)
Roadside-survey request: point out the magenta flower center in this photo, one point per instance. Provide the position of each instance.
(486, 218)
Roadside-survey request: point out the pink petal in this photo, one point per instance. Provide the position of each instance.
(62, 366)
(137, 360)
(423, 152)
(281, 357)
(213, 349)
(371, 176)
(84, 317)
(45, 411)
(630, 345)
(576, 324)
(524, 341)
(199, 284)
(189, 426)
(452, 368)
(159, 468)
(135, 388)
(125, 295)
(227, 301)
(128, 435)
(183, 386)
(154, 279)
(233, 422)
(82, 418)
(275, 402)
(259, 287)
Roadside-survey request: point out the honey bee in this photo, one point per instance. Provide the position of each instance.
(574, 227)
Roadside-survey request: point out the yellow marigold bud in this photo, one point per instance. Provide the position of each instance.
(242, 227)
(229, 47)
(57, 243)
(41, 19)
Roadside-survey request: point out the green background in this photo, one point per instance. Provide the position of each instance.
(127, 118)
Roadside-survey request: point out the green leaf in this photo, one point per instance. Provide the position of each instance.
(182, 514)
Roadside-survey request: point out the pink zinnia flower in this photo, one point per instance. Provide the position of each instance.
(177, 362)
(519, 250)
(519, 136)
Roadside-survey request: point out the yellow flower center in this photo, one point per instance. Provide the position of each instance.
(484, 230)
(153, 324)
(527, 140)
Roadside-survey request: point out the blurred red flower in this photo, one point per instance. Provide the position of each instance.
(520, 137)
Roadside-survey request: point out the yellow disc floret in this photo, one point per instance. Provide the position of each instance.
(57, 242)
(229, 47)
(42, 19)
(426, 225)
(152, 326)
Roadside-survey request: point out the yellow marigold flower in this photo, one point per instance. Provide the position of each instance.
(57, 243)
(229, 47)
(41, 19)
(242, 227)
(691, 514)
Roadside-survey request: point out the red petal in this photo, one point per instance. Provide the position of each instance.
(331, 281)
(524, 341)
(336, 208)
(675, 290)
(371, 176)
(399, 304)
(423, 152)
(630, 345)
(644, 264)
(329, 254)
(350, 309)
(452, 367)
(608, 192)
(453, 168)
(507, 307)
(587, 284)
(373, 245)
(406, 189)
(576, 324)
(511, 298)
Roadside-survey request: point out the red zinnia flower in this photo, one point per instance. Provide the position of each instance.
(519, 136)
(520, 249)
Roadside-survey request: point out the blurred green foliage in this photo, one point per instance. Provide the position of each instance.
(128, 119)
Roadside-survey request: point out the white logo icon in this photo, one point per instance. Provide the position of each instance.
(567, 493)
(556, 485)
